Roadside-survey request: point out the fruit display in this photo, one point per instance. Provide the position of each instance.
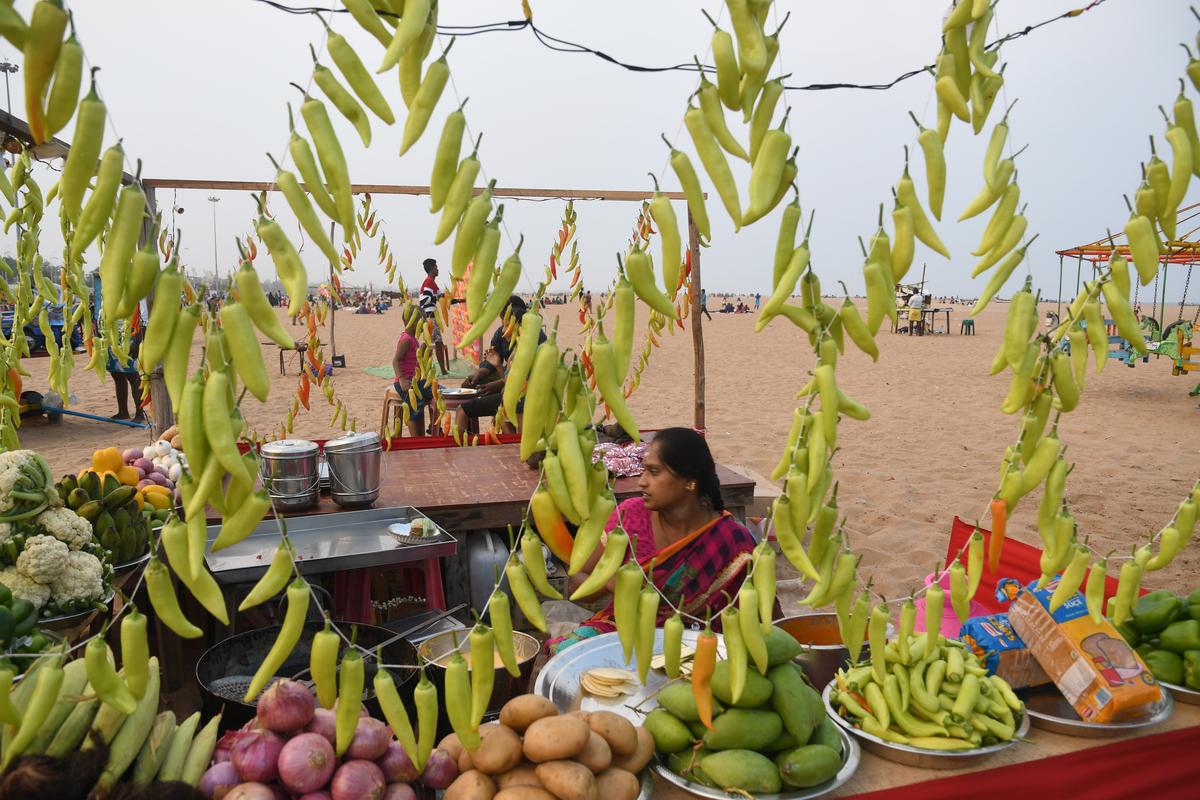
(49, 558)
(1164, 628)
(113, 509)
(766, 731)
(935, 697)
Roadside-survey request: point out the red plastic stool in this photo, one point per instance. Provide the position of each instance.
(352, 589)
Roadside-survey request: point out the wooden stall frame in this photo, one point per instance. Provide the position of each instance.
(164, 415)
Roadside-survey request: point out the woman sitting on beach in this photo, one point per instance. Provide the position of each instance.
(685, 539)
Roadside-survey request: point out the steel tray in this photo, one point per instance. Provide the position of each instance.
(1183, 694)
(919, 756)
(327, 543)
(1049, 710)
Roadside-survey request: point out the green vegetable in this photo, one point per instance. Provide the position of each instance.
(1129, 633)
(1155, 611)
(1165, 666)
(128, 741)
(1191, 669)
(1181, 636)
(1193, 604)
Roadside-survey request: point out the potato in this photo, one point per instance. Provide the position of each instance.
(567, 780)
(617, 731)
(499, 752)
(617, 784)
(520, 775)
(521, 712)
(452, 745)
(555, 738)
(471, 785)
(596, 755)
(524, 793)
(640, 757)
(465, 762)
(579, 713)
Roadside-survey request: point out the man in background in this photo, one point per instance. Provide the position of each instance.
(428, 303)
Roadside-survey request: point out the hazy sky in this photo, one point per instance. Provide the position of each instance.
(198, 88)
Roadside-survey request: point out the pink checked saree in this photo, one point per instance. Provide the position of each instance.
(701, 565)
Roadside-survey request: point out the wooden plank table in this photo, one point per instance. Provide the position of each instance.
(476, 488)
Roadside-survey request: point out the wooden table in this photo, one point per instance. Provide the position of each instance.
(476, 488)
(928, 319)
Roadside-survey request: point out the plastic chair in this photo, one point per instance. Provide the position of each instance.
(966, 327)
(392, 405)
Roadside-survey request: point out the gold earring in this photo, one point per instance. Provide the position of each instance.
(691, 487)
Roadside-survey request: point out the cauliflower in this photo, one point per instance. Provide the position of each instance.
(43, 559)
(81, 580)
(6, 532)
(66, 526)
(24, 588)
(11, 462)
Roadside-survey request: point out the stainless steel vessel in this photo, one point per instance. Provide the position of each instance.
(289, 471)
(355, 461)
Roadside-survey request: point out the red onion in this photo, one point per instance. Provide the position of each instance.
(399, 791)
(396, 765)
(357, 780)
(370, 739)
(251, 791)
(224, 748)
(305, 763)
(286, 706)
(321, 795)
(256, 756)
(252, 724)
(218, 780)
(440, 770)
(324, 722)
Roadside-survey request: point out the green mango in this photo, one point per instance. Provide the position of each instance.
(808, 766)
(743, 729)
(687, 765)
(827, 733)
(781, 647)
(797, 703)
(758, 689)
(784, 741)
(670, 734)
(679, 700)
(744, 770)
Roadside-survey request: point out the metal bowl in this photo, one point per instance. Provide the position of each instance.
(919, 756)
(1183, 694)
(1049, 710)
(62, 622)
(824, 653)
(129, 566)
(850, 758)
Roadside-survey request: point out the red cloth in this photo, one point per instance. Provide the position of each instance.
(1017, 560)
(1162, 766)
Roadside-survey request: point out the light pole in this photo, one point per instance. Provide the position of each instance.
(214, 201)
(7, 67)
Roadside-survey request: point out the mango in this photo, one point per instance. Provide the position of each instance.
(781, 647)
(745, 770)
(808, 766)
(784, 741)
(797, 703)
(758, 689)
(743, 729)
(687, 764)
(670, 735)
(679, 700)
(697, 728)
(826, 733)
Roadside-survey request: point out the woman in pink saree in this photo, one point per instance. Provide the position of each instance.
(687, 542)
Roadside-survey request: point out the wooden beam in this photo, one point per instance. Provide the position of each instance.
(697, 330)
(389, 188)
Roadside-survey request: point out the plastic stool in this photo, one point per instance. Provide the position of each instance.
(352, 589)
(967, 327)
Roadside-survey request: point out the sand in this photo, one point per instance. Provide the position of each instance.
(930, 451)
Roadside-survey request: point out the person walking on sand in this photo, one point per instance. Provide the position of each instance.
(704, 303)
(428, 303)
(757, 300)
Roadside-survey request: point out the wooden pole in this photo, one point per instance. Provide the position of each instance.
(697, 331)
(332, 306)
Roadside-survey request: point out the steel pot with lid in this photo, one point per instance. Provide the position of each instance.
(290, 476)
(355, 461)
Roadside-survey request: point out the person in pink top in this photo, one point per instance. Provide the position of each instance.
(404, 368)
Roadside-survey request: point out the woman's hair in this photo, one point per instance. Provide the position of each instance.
(687, 455)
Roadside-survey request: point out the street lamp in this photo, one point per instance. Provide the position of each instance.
(7, 67)
(214, 201)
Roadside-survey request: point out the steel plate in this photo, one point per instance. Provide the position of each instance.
(1050, 711)
(121, 569)
(918, 756)
(850, 759)
(1183, 694)
(455, 392)
(65, 621)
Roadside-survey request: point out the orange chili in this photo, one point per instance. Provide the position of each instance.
(553, 267)
(999, 510)
(703, 664)
(303, 390)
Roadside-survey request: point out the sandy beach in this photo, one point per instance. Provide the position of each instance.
(931, 450)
